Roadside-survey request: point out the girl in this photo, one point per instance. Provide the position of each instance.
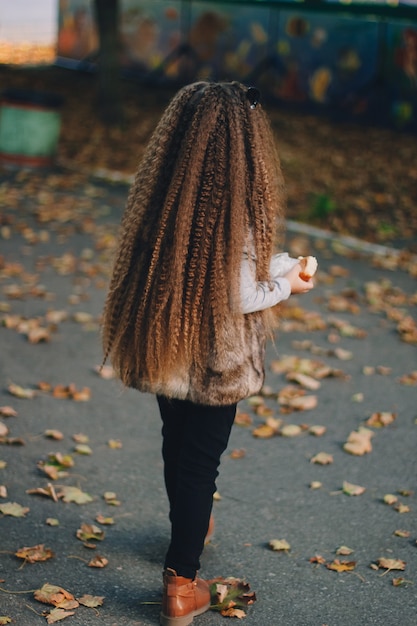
(189, 304)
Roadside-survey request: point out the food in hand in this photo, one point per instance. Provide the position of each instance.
(308, 267)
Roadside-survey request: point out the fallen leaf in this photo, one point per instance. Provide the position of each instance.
(317, 558)
(91, 602)
(57, 615)
(74, 494)
(379, 419)
(115, 444)
(316, 484)
(21, 392)
(402, 533)
(238, 453)
(98, 561)
(390, 564)
(13, 509)
(232, 612)
(52, 594)
(390, 499)
(35, 553)
(8, 411)
(5, 620)
(341, 566)
(359, 442)
(317, 430)
(54, 434)
(90, 531)
(344, 551)
(322, 458)
(243, 419)
(279, 545)
(352, 490)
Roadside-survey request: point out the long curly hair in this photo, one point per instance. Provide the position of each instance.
(208, 186)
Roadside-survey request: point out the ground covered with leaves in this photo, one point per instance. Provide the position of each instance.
(351, 179)
(315, 509)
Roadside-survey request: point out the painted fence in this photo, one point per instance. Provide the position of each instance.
(331, 58)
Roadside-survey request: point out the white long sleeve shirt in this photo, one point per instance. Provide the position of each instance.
(257, 296)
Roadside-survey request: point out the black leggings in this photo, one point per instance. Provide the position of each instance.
(194, 438)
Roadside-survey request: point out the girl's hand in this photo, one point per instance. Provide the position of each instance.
(298, 285)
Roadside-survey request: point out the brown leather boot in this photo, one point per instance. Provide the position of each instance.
(183, 599)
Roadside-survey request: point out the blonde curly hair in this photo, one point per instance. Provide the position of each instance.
(208, 186)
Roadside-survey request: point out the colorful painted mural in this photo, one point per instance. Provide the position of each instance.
(349, 65)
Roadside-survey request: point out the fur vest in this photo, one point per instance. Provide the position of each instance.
(234, 369)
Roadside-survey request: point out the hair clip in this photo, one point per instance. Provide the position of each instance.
(253, 95)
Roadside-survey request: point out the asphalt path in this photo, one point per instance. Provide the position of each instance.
(266, 493)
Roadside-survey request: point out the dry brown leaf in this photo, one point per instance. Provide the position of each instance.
(238, 453)
(91, 602)
(52, 594)
(352, 490)
(390, 564)
(8, 411)
(57, 615)
(279, 545)
(359, 442)
(308, 382)
(233, 612)
(35, 553)
(341, 566)
(322, 458)
(291, 430)
(243, 419)
(379, 419)
(98, 561)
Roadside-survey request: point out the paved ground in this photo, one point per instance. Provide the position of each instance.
(60, 231)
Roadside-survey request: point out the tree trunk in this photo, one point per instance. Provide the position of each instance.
(109, 98)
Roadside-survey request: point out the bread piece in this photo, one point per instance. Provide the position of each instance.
(308, 267)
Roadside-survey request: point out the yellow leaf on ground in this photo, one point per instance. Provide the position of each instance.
(341, 566)
(352, 490)
(279, 545)
(359, 442)
(322, 458)
(389, 564)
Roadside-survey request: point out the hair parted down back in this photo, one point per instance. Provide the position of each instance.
(209, 184)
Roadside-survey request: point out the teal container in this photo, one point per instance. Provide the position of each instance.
(30, 123)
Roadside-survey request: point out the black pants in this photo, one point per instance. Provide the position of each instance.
(194, 438)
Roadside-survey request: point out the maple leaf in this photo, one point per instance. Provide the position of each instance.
(52, 594)
(91, 602)
(57, 615)
(13, 509)
(35, 553)
(390, 564)
(341, 566)
(5, 620)
(89, 531)
(74, 494)
(230, 593)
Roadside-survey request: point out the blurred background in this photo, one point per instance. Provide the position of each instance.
(339, 80)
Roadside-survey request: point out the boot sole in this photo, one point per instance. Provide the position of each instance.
(185, 620)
